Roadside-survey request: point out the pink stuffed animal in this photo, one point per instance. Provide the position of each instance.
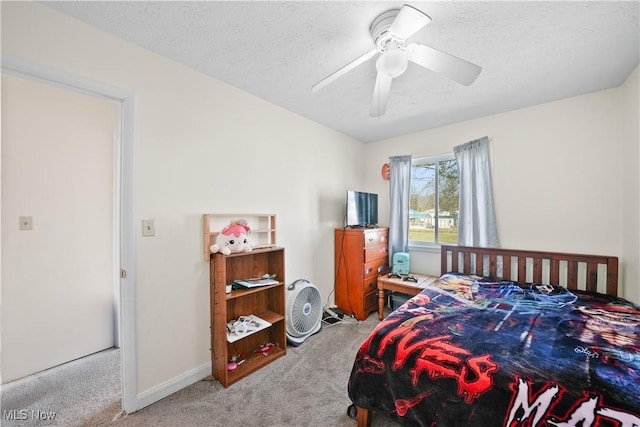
(233, 238)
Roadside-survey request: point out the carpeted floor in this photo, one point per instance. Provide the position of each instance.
(70, 393)
(307, 387)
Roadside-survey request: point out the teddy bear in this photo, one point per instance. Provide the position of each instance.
(233, 238)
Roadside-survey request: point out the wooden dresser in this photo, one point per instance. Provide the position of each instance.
(361, 254)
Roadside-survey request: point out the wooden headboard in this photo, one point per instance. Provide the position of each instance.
(574, 271)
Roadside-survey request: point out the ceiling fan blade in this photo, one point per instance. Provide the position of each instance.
(408, 22)
(380, 95)
(448, 65)
(350, 66)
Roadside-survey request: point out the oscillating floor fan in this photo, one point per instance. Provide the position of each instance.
(304, 311)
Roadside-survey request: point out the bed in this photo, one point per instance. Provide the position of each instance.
(495, 341)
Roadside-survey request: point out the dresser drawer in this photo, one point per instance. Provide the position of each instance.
(370, 284)
(374, 268)
(370, 301)
(375, 252)
(375, 237)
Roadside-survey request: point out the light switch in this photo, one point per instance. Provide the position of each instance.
(26, 223)
(148, 228)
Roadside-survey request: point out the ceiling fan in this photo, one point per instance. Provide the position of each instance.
(390, 31)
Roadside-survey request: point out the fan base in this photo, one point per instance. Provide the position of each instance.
(296, 341)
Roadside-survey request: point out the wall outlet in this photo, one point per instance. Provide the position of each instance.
(26, 223)
(148, 228)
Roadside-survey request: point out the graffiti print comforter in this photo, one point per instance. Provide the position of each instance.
(469, 351)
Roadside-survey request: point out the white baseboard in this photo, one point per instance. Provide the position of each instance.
(173, 385)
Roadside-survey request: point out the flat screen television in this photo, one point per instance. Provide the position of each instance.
(362, 209)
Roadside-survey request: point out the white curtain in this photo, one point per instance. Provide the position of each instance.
(400, 171)
(477, 226)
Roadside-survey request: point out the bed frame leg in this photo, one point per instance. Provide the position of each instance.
(363, 417)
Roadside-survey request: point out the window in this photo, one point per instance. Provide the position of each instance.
(434, 192)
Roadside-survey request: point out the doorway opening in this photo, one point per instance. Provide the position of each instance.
(123, 271)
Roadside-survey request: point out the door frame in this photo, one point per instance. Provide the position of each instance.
(126, 332)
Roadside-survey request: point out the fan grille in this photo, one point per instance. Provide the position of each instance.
(306, 310)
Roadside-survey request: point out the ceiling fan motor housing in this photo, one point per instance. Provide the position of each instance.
(380, 29)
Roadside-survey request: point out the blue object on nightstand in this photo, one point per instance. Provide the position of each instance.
(401, 261)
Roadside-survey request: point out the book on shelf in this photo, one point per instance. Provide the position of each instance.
(245, 326)
(255, 282)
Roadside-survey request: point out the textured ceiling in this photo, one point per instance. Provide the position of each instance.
(530, 53)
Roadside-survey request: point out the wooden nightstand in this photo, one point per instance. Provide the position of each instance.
(399, 285)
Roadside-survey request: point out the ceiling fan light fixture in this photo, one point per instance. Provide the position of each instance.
(392, 63)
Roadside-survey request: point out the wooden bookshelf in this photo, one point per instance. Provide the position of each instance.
(266, 302)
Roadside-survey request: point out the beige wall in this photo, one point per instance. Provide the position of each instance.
(558, 175)
(201, 146)
(631, 185)
(58, 279)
